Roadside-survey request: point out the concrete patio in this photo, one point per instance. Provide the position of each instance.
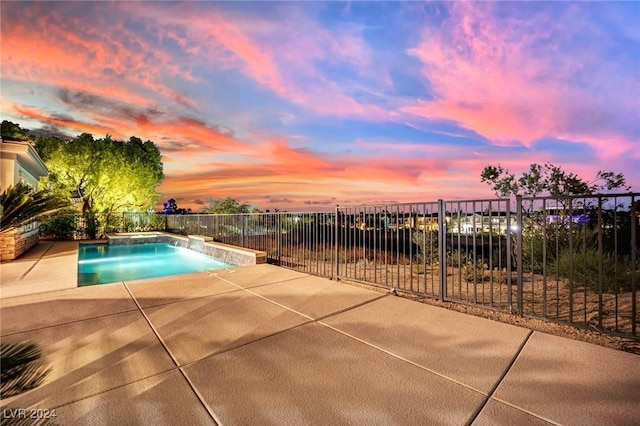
(262, 344)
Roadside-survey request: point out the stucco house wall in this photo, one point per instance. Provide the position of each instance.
(19, 162)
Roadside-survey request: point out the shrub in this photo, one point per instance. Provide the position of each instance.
(60, 227)
(427, 244)
(616, 271)
(474, 271)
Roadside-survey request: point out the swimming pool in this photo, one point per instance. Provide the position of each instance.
(103, 264)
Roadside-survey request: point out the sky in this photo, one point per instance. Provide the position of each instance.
(305, 105)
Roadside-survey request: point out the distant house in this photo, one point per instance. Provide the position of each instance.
(496, 222)
(19, 162)
(483, 222)
(429, 222)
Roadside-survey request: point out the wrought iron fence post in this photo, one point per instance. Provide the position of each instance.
(519, 230)
(634, 218)
(508, 233)
(336, 225)
(600, 275)
(244, 229)
(279, 233)
(442, 249)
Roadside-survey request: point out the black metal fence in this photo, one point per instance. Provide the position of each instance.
(571, 260)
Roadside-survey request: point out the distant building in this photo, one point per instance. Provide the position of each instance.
(19, 162)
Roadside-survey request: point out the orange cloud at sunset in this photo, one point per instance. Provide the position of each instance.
(79, 126)
(303, 105)
(92, 61)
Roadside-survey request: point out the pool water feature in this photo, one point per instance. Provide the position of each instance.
(103, 263)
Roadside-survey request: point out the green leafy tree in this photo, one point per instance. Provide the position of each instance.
(108, 175)
(549, 179)
(13, 131)
(228, 206)
(539, 231)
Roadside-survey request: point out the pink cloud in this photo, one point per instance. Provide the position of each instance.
(283, 59)
(256, 63)
(64, 53)
(489, 75)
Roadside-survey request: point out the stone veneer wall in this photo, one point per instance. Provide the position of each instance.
(14, 243)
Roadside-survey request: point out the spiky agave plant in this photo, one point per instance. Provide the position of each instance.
(21, 371)
(19, 205)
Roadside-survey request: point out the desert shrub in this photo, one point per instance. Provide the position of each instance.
(616, 271)
(427, 245)
(456, 258)
(474, 270)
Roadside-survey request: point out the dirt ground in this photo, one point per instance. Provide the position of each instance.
(486, 294)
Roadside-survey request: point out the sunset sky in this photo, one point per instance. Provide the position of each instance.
(305, 105)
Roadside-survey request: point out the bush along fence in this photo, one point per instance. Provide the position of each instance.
(77, 226)
(571, 260)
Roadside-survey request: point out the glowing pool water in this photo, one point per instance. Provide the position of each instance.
(102, 263)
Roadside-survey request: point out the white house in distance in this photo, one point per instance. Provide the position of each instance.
(19, 161)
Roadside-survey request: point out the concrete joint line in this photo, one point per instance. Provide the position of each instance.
(69, 322)
(264, 298)
(319, 321)
(233, 348)
(35, 263)
(366, 302)
(213, 415)
(401, 358)
(215, 274)
(300, 313)
(215, 418)
(501, 379)
(173, 358)
(528, 412)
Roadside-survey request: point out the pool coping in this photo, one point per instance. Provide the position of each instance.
(53, 266)
(232, 255)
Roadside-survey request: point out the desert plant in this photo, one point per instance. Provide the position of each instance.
(21, 370)
(474, 270)
(583, 267)
(19, 204)
(427, 244)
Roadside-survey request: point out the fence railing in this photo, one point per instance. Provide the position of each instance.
(572, 260)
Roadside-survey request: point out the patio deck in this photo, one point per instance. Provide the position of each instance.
(267, 345)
